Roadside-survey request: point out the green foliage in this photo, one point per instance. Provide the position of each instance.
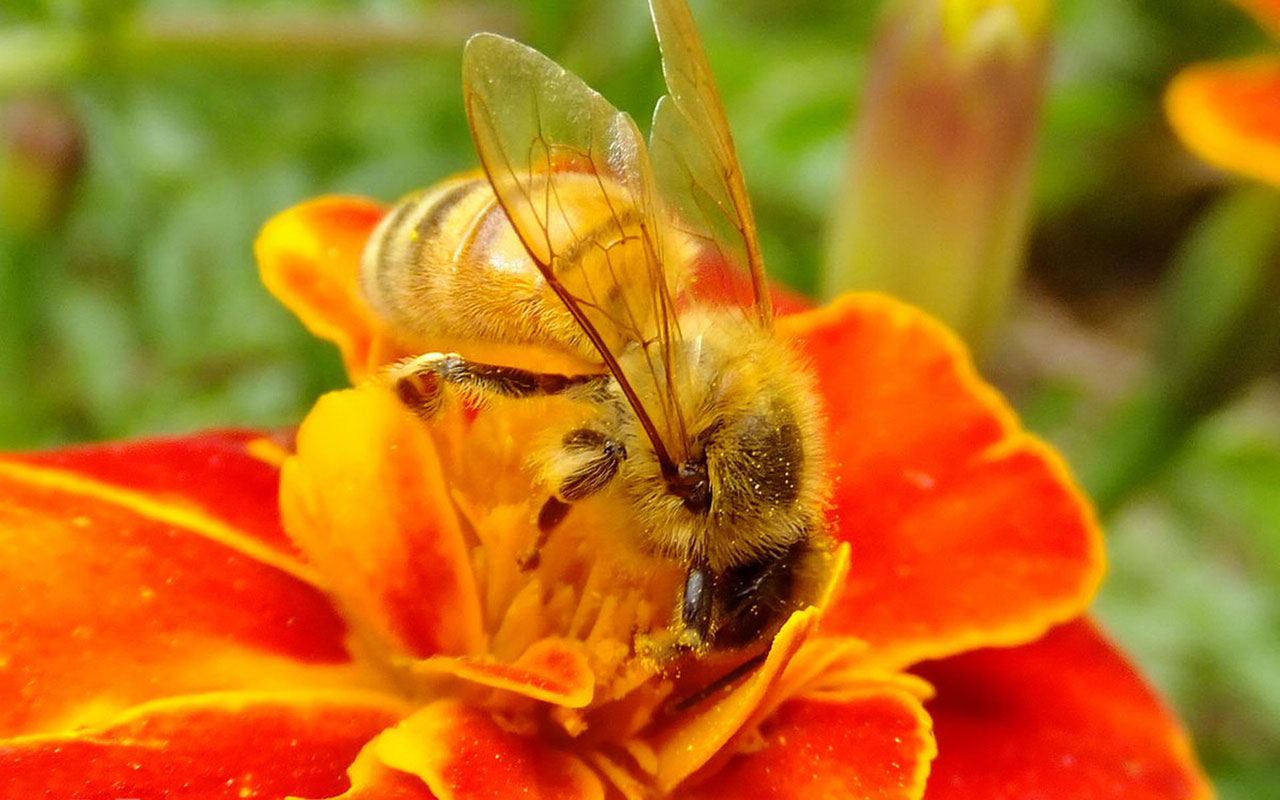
(1219, 329)
(143, 144)
(1194, 588)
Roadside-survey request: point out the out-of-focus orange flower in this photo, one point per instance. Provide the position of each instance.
(340, 615)
(1228, 112)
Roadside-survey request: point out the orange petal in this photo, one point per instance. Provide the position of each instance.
(1266, 12)
(309, 258)
(365, 500)
(1228, 113)
(207, 746)
(965, 530)
(877, 746)
(694, 740)
(373, 780)
(551, 670)
(1063, 717)
(114, 596)
(463, 754)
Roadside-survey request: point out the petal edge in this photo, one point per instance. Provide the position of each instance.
(966, 531)
(1226, 113)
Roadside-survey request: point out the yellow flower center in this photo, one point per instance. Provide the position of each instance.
(420, 529)
(590, 594)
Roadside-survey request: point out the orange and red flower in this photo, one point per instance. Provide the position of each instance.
(236, 615)
(1228, 112)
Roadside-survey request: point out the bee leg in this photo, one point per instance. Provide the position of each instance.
(417, 385)
(419, 382)
(695, 608)
(550, 516)
(595, 457)
(690, 632)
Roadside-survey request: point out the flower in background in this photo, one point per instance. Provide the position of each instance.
(1217, 327)
(1228, 112)
(339, 615)
(935, 201)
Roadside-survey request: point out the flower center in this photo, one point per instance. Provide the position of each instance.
(575, 615)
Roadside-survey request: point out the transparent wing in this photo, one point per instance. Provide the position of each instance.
(695, 161)
(573, 175)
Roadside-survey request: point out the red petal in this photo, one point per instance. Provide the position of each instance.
(1228, 113)
(965, 530)
(365, 499)
(1064, 717)
(112, 597)
(207, 746)
(714, 284)
(216, 472)
(462, 754)
(876, 747)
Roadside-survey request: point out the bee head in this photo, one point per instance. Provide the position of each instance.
(746, 475)
(754, 460)
(692, 485)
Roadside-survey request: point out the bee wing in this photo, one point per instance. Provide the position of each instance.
(573, 175)
(694, 158)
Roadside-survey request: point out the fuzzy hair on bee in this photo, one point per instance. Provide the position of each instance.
(583, 246)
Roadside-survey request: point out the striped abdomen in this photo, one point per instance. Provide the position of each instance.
(447, 270)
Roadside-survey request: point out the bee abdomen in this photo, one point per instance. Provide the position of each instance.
(412, 253)
(447, 271)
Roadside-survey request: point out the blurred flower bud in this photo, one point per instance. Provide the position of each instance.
(41, 152)
(935, 199)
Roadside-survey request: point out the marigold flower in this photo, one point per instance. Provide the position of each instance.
(170, 631)
(1228, 112)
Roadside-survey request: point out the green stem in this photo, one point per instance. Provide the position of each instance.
(1219, 331)
(1139, 440)
(286, 39)
(33, 58)
(39, 58)
(21, 419)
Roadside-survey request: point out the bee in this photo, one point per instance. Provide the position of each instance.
(581, 241)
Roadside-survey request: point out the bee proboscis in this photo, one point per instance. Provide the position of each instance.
(582, 241)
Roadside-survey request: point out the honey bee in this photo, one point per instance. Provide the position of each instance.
(581, 241)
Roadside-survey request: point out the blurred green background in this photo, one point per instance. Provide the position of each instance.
(142, 145)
